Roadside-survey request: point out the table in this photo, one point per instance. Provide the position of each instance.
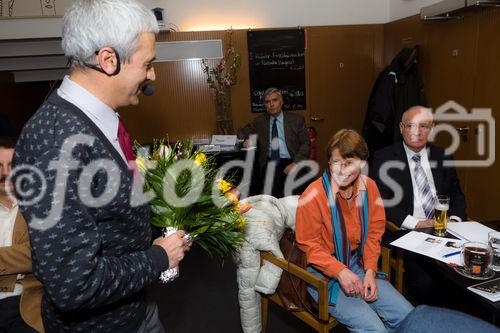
(481, 306)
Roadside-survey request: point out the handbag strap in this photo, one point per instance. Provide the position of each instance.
(295, 288)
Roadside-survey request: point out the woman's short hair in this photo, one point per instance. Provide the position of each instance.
(349, 143)
(270, 91)
(90, 25)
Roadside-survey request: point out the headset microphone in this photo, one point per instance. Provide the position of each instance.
(148, 89)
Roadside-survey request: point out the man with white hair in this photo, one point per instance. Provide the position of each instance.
(91, 244)
(416, 154)
(418, 169)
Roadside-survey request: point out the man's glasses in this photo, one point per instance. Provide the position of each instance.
(413, 126)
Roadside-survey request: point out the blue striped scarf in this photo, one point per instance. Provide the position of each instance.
(340, 240)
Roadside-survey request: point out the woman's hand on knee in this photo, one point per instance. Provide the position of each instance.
(370, 286)
(350, 282)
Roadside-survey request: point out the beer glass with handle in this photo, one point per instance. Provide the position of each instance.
(441, 214)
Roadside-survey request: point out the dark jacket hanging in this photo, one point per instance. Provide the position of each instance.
(397, 88)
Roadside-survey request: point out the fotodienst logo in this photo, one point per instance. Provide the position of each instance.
(481, 124)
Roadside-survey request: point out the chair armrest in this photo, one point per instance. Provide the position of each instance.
(293, 269)
(392, 226)
(304, 275)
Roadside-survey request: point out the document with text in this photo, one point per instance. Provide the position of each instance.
(447, 250)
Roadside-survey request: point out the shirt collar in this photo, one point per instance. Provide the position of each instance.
(279, 117)
(358, 186)
(4, 208)
(410, 153)
(101, 114)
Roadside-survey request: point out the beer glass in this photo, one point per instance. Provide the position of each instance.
(494, 243)
(441, 214)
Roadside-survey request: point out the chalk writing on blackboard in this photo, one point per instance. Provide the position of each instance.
(276, 59)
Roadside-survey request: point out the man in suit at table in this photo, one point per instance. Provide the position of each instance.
(281, 139)
(419, 171)
(91, 237)
(20, 292)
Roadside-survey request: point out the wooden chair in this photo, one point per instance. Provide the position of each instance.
(392, 261)
(325, 322)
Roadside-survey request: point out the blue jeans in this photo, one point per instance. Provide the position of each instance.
(430, 319)
(382, 315)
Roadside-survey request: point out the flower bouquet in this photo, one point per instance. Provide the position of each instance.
(188, 195)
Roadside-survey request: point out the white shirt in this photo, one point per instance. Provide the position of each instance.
(101, 115)
(7, 221)
(418, 211)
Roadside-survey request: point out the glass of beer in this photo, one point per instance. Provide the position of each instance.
(441, 214)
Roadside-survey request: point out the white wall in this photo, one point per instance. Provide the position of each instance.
(403, 8)
(44, 27)
(190, 15)
(243, 14)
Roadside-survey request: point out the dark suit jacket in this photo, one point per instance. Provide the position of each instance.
(445, 180)
(296, 138)
(14, 260)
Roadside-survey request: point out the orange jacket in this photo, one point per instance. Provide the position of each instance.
(313, 226)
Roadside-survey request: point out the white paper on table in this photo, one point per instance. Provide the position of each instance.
(431, 246)
(224, 140)
(210, 148)
(469, 231)
(491, 297)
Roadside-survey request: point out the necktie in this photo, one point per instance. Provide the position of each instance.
(275, 146)
(423, 188)
(124, 141)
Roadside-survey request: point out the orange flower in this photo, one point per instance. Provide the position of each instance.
(243, 208)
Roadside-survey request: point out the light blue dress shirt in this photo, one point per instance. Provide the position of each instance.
(280, 123)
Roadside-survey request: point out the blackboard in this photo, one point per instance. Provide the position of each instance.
(276, 59)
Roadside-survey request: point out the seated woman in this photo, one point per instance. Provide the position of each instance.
(339, 224)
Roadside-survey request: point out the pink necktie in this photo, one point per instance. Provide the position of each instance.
(124, 141)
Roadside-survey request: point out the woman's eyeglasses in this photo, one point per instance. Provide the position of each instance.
(345, 164)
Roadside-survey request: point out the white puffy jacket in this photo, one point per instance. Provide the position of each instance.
(266, 222)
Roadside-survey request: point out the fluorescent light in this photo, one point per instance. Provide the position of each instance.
(189, 50)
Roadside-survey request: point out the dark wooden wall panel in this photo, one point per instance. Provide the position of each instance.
(341, 62)
(483, 183)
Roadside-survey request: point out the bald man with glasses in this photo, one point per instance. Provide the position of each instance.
(415, 152)
(418, 169)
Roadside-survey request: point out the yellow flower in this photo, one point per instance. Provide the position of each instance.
(140, 162)
(223, 185)
(240, 222)
(200, 158)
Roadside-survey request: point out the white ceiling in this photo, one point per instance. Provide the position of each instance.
(242, 14)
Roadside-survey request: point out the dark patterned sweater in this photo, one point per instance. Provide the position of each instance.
(94, 255)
